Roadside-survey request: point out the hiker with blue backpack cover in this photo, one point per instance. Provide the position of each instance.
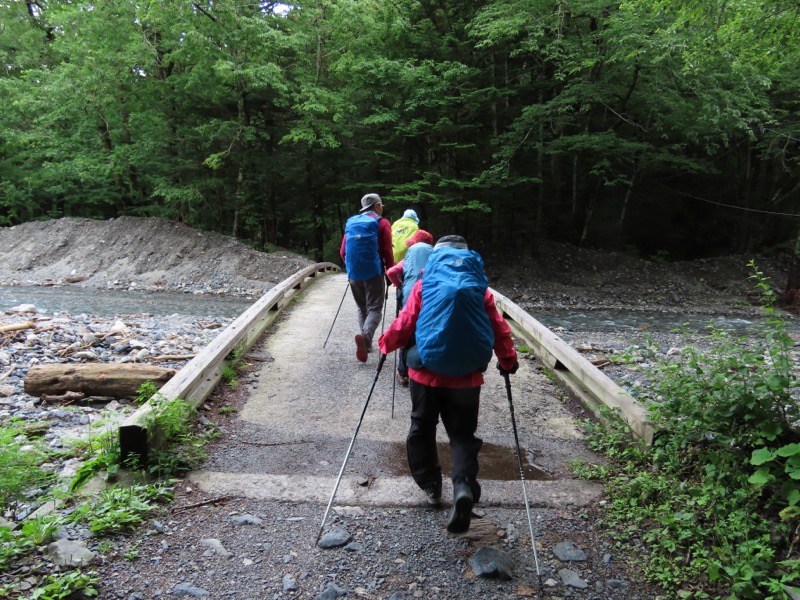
(458, 327)
(367, 253)
(403, 276)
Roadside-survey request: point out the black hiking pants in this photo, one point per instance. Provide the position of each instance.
(458, 409)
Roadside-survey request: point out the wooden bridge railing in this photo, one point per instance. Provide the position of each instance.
(585, 380)
(198, 378)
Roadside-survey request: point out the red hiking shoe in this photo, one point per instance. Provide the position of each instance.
(361, 348)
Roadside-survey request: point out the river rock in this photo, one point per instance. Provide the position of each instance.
(492, 563)
(569, 552)
(70, 553)
(334, 538)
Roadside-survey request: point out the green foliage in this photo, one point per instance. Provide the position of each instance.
(179, 450)
(19, 470)
(229, 376)
(146, 391)
(715, 498)
(12, 545)
(223, 117)
(32, 534)
(119, 508)
(104, 455)
(132, 553)
(66, 586)
(40, 530)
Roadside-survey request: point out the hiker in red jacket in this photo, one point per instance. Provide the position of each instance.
(367, 253)
(458, 327)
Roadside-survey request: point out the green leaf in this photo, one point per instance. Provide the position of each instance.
(761, 456)
(761, 477)
(789, 450)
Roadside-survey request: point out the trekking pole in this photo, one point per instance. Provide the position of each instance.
(352, 441)
(394, 381)
(337, 313)
(385, 302)
(522, 476)
(397, 303)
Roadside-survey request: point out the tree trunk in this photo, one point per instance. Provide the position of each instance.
(114, 380)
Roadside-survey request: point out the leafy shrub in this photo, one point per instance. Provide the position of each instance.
(119, 508)
(716, 497)
(19, 470)
(179, 450)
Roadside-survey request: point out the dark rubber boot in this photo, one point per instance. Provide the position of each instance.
(461, 513)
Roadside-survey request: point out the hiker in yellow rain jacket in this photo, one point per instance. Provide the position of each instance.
(403, 229)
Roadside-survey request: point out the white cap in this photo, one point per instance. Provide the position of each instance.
(411, 214)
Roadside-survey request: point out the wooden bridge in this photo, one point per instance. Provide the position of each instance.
(304, 402)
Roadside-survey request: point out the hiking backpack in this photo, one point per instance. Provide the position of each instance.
(454, 334)
(402, 230)
(413, 263)
(361, 258)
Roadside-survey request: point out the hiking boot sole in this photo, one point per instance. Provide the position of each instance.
(361, 348)
(460, 514)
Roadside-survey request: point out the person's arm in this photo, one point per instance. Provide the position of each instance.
(503, 343)
(341, 250)
(385, 243)
(401, 329)
(395, 275)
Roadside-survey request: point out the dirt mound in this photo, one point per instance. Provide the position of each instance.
(139, 253)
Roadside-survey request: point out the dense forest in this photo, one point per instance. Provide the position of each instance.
(659, 127)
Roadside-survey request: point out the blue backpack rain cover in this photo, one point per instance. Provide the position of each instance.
(361, 257)
(454, 334)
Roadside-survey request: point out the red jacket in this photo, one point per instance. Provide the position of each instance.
(399, 332)
(384, 241)
(395, 275)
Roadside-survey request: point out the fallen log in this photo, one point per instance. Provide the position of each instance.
(9, 372)
(17, 327)
(65, 398)
(113, 380)
(164, 357)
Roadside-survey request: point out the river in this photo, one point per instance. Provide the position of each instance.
(110, 303)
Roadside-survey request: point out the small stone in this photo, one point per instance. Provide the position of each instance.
(215, 547)
(571, 578)
(335, 538)
(188, 589)
(289, 583)
(245, 520)
(71, 553)
(567, 552)
(492, 563)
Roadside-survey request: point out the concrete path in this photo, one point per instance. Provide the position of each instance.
(305, 402)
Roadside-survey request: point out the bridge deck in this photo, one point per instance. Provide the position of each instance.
(305, 402)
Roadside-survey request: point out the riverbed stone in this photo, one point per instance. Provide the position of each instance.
(335, 538)
(70, 553)
(492, 563)
(569, 552)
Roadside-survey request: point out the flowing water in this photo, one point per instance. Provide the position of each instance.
(109, 303)
(633, 320)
